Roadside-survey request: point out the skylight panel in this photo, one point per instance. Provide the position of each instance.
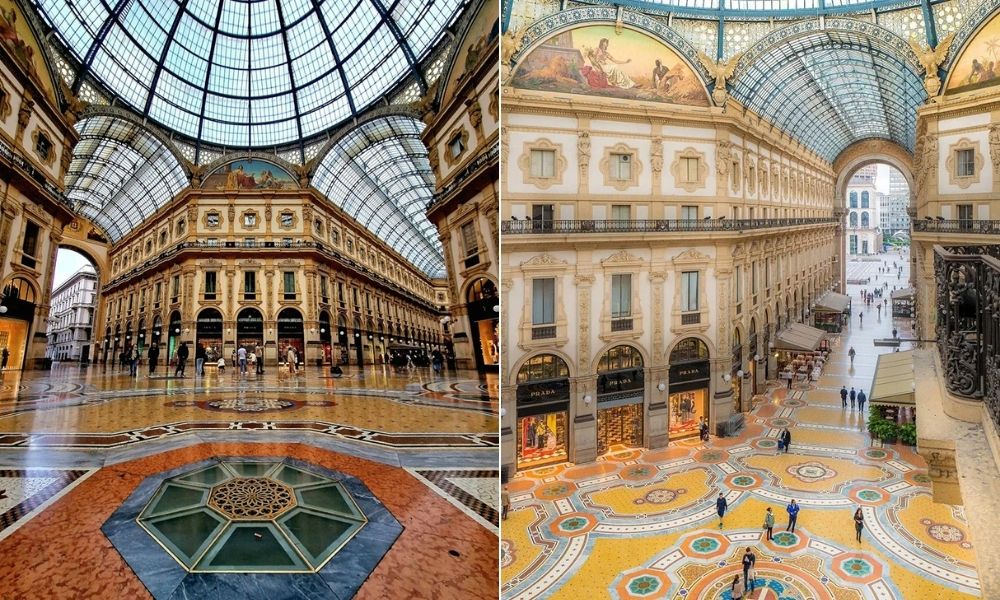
(235, 18)
(354, 30)
(264, 18)
(204, 10)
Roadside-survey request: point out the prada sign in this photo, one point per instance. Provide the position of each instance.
(554, 390)
(620, 381)
(690, 372)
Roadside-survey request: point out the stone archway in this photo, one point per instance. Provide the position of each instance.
(847, 163)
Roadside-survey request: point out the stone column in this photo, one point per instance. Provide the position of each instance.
(583, 431)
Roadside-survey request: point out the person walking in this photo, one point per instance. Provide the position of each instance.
(751, 580)
(437, 361)
(861, 318)
(153, 355)
(862, 398)
(793, 515)
(749, 560)
(859, 523)
(736, 589)
(133, 369)
(259, 351)
(769, 523)
(703, 429)
(878, 309)
(843, 396)
(291, 358)
(200, 354)
(851, 353)
(241, 356)
(786, 438)
(854, 396)
(895, 333)
(182, 356)
(4, 357)
(504, 503)
(720, 507)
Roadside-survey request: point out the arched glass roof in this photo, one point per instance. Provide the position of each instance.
(829, 89)
(120, 174)
(249, 73)
(379, 174)
(766, 8)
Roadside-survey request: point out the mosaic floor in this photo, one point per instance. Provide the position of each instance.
(642, 523)
(79, 446)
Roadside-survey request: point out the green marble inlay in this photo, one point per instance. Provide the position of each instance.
(317, 534)
(251, 469)
(173, 498)
(187, 533)
(327, 497)
(294, 477)
(251, 546)
(209, 476)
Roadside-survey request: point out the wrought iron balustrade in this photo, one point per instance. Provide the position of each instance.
(519, 226)
(621, 324)
(958, 226)
(968, 323)
(543, 333)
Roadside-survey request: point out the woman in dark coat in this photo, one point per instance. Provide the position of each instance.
(859, 523)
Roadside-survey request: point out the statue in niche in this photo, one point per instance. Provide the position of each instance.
(583, 148)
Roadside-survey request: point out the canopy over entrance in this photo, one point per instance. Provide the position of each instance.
(799, 337)
(833, 302)
(893, 384)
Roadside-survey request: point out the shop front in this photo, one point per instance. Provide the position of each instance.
(208, 329)
(291, 333)
(832, 312)
(690, 374)
(543, 392)
(484, 324)
(18, 301)
(249, 329)
(620, 390)
(173, 337)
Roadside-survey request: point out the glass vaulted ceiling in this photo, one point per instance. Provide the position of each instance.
(249, 73)
(768, 8)
(379, 174)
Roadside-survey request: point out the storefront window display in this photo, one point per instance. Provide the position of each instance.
(542, 411)
(620, 390)
(690, 372)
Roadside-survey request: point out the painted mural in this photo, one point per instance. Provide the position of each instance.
(249, 175)
(979, 64)
(597, 61)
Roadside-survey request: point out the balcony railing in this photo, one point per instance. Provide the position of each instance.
(690, 318)
(621, 324)
(514, 226)
(543, 333)
(958, 226)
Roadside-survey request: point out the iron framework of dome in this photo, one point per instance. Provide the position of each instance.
(249, 73)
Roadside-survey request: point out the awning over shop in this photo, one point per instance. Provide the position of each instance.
(833, 302)
(902, 294)
(799, 337)
(893, 384)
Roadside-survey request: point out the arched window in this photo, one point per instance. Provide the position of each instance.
(20, 289)
(620, 357)
(864, 199)
(854, 199)
(865, 221)
(853, 219)
(689, 350)
(543, 366)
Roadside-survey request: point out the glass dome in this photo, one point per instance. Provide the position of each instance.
(249, 73)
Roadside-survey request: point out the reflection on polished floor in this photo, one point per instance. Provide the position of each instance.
(245, 486)
(642, 523)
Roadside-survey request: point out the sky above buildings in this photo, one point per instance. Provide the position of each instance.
(67, 263)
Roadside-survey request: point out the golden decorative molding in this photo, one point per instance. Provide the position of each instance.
(951, 163)
(207, 224)
(559, 163)
(679, 176)
(930, 60)
(463, 134)
(636, 167)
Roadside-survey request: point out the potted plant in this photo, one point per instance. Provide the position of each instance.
(888, 432)
(908, 434)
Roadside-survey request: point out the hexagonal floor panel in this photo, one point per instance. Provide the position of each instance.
(245, 516)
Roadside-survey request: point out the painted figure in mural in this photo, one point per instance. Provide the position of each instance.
(661, 78)
(13, 42)
(605, 73)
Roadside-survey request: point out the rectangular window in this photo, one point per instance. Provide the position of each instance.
(212, 219)
(340, 292)
(249, 243)
(621, 167)
(249, 285)
(175, 289)
(289, 284)
(739, 283)
(621, 296)
(689, 213)
(156, 294)
(543, 163)
(212, 242)
(324, 286)
(456, 146)
(753, 278)
(469, 240)
(621, 212)
(689, 169)
(543, 301)
(250, 220)
(689, 291)
(29, 247)
(541, 216)
(210, 281)
(965, 162)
